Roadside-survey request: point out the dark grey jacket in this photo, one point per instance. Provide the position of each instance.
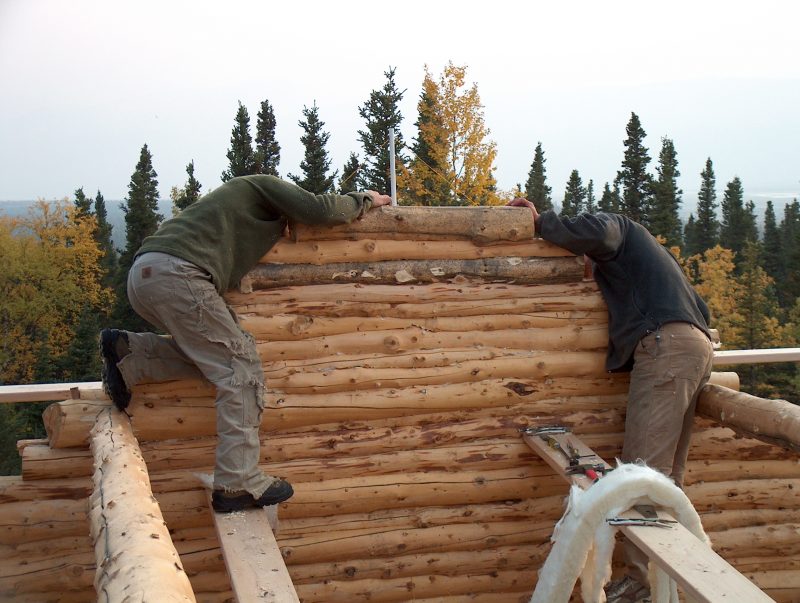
(641, 281)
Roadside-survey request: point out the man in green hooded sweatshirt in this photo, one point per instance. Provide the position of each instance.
(176, 283)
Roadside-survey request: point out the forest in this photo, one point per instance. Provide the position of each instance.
(63, 279)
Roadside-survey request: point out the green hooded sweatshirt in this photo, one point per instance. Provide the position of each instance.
(228, 230)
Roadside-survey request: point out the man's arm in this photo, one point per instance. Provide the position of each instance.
(300, 205)
(597, 235)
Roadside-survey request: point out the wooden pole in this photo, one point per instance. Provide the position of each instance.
(134, 553)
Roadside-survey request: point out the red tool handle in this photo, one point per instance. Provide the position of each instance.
(592, 475)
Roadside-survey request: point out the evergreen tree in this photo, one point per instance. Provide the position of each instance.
(241, 158)
(427, 185)
(268, 151)
(609, 200)
(316, 163)
(184, 197)
(574, 196)
(790, 239)
(691, 244)
(733, 228)
(108, 261)
(141, 220)
(635, 181)
(591, 202)
(706, 226)
(382, 115)
(536, 189)
(664, 219)
(771, 250)
(83, 203)
(348, 181)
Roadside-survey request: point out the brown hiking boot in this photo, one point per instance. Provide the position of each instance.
(228, 502)
(113, 348)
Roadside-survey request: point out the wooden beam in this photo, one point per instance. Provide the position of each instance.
(698, 570)
(51, 392)
(254, 561)
(776, 422)
(133, 549)
(756, 356)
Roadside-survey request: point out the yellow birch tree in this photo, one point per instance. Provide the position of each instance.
(453, 160)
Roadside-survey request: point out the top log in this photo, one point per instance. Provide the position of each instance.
(477, 223)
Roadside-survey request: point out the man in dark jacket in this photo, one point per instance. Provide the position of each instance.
(176, 283)
(658, 330)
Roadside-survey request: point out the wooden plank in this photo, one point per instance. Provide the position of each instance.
(698, 570)
(254, 561)
(52, 392)
(756, 356)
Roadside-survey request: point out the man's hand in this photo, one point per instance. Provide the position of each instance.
(378, 199)
(520, 202)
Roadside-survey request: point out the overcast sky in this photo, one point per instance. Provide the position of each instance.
(86, 83)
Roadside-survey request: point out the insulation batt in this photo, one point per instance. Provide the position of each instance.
(584, 541)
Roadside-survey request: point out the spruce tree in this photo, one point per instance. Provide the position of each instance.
(141, 220)
(536, 189)
(771, 250)
(241, 158)
(108, 263)
(635, 181)
(381, 112)
(349, 180)
(691, 245)
(591, 202)
(433, 188)
(316, 163)
(574, 196)
(664, 219)
(790, 239)
(731, 229)
(707, 225)
(190, 193)
(268, 151)
(83, 203)
(609, 201)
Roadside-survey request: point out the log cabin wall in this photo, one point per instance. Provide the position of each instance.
(402, 357)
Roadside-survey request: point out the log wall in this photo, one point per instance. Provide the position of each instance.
(394, 406)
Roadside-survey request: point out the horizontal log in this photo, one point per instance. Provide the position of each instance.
(368, 250)
(773, 421)
(294, 327)
(719, 470)
(37, 520)
(721, 520)
(758, 541)
(745, 494)
(588, 337)
(516, 270)
(46, 392)
(477, 223)
(418, 587)
(546, 297)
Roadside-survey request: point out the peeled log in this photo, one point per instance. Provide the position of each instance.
(477, 223)
(517, 270)
(133, 550)
(773, 421)
(369, 250)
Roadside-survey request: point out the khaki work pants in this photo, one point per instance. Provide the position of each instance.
(670, 367)
(205, 341)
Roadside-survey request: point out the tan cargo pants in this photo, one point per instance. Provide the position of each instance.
(205, 341)
(670, 367)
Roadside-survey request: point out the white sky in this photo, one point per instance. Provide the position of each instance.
(85, 83)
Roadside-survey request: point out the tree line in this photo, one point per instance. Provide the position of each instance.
(64, 280)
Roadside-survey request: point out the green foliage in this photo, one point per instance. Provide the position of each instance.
(706, 226)
(790, 240)
(268, 151)
(771, 248)
(190, 193)
(141, 220)
(381, 114)
(83, 204)
(738, 227)
(664, 220)
(591, 202)
(108, 261)
(636, 183)
(574, 196)
(424, 182)
(21, 421)
(536, 189)
(316, 163)
(241, 157)
(609, 200)
(349, 180)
